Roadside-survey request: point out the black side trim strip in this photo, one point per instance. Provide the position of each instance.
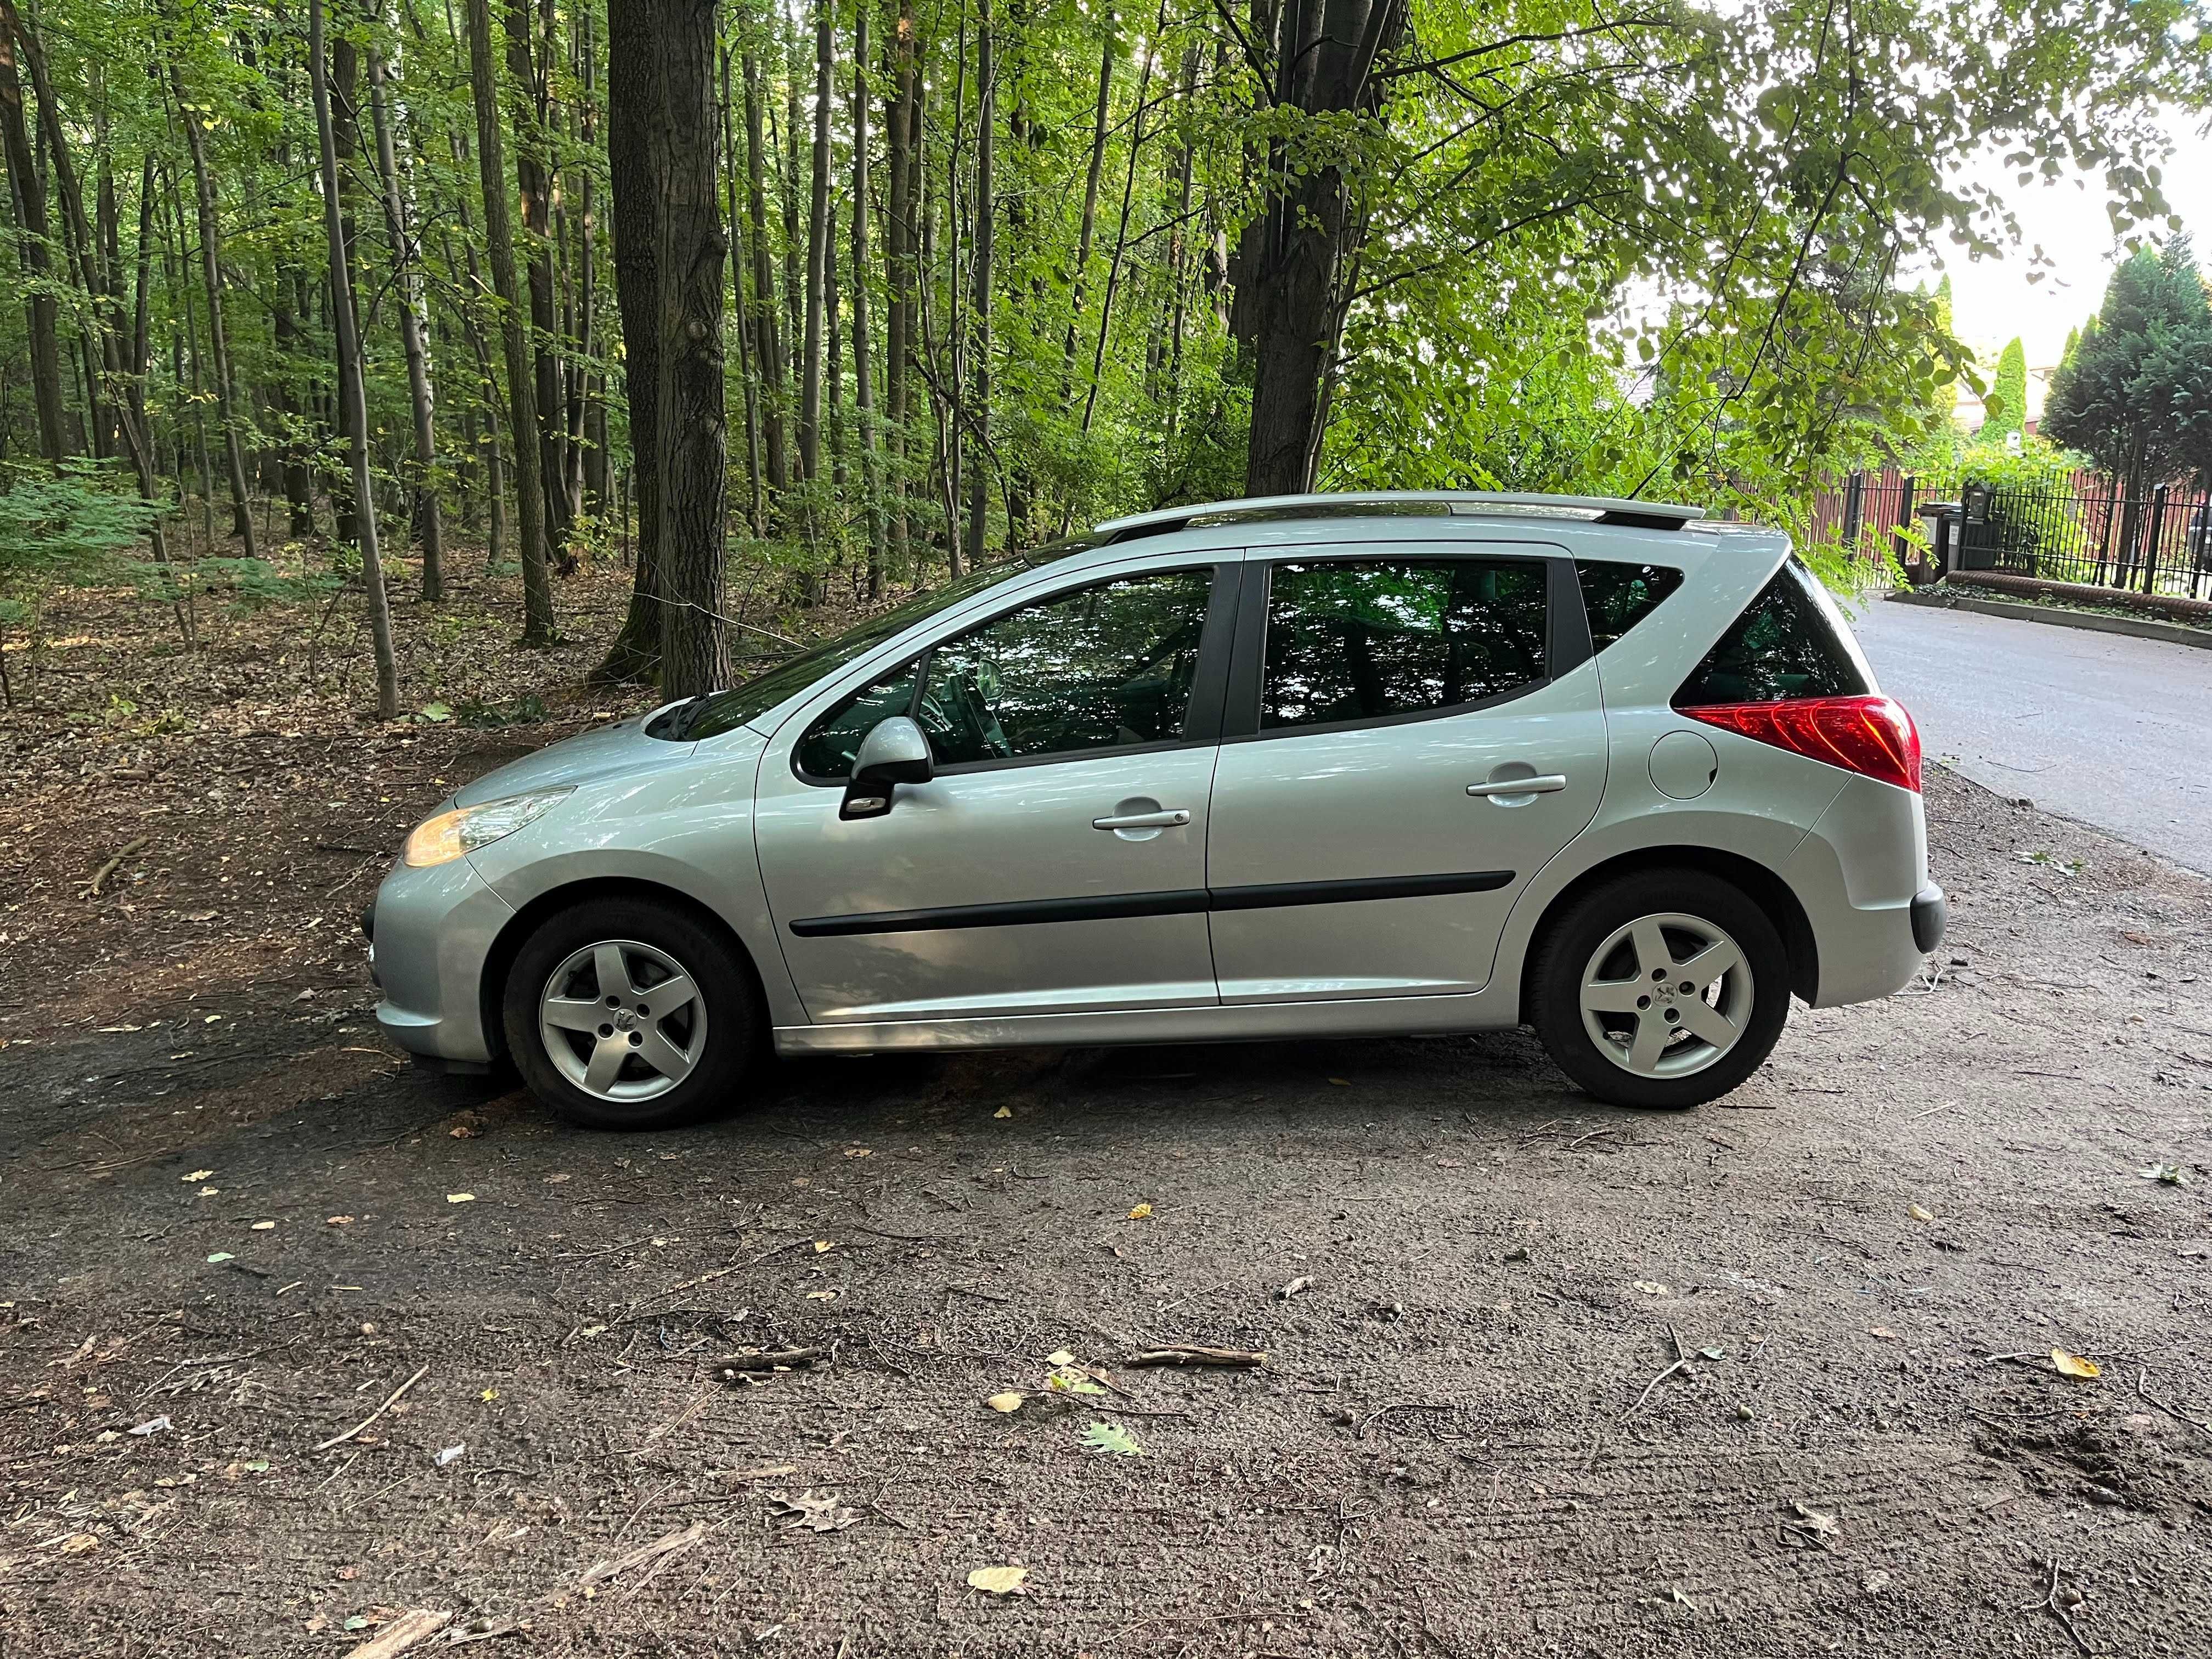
(1181, 902)
(1277, 895)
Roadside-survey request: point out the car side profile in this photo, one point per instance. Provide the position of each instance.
(1315, 766)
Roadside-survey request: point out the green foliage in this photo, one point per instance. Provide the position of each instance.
(2006, 405)
(2137, 394)
(1112, 1437)
(240, 586)
(68, 526)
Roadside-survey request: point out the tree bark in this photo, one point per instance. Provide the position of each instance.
(634, 111)
(414, 336)
(241, 517)
(767, 343)
(694, 480)
(351, 397)
(521, 390)
(1090, 222)
(817, 249)
(863, 390)
(899, 276)
(28, 195)
(527, 114)
(979, 397)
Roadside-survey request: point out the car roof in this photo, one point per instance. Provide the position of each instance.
(1599, 509)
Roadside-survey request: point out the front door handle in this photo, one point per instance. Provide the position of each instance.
(1543, 785)
(1172, 818)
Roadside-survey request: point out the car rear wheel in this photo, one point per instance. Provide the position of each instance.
(1662, 989)
(625, 1014)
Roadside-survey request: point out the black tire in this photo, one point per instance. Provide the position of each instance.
(728, 997)
(1571, 939)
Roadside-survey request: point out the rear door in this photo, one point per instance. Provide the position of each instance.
(1412, 729)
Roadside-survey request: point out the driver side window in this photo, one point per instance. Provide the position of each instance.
(1106, 667)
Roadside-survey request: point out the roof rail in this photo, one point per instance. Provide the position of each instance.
(1594, 509)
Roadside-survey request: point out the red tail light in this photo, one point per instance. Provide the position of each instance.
(1871, 736)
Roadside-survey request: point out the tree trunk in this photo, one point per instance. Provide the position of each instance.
(1289, 290)
(142, 335)
(864, 389)
(521, 392)
(979, 398)
(768, 345)
(748, 367)
(634, 111)
(241, 517)
(817, 249)
(694, 646)
(351, 397)
(1089, 223)
(528, 112)
(414, 337)
(899, 276)
(27, 196)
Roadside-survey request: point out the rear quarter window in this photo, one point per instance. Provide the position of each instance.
(1787, 645)
(1617, 596)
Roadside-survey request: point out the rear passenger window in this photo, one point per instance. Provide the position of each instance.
(1786, 645)
(1617, 596)
(1367, 639)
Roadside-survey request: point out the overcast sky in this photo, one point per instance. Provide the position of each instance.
(1992, 300)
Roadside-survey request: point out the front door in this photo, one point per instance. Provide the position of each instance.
(1056, 863)
(1421, 731)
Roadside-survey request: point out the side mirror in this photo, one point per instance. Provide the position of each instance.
(895, 752)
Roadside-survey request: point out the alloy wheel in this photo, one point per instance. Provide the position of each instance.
(622, 1020)
(1667, 995)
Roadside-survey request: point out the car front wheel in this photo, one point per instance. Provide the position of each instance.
(1661, 988)
(626, 1014)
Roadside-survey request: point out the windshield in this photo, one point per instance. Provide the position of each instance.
(718, 711)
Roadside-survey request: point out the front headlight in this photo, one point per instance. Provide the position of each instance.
(450, 835)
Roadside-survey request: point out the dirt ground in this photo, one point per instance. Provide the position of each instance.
(235, 1215)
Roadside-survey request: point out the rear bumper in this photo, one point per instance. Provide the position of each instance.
(1931, 913)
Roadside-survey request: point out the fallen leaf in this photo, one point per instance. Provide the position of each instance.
(822, 1244)
(1059, 1356)
(860, 1151)
(1341, 1082)
(1142, 1212)
(1885, 1333)
(1918, 1213)
(812, 1511)
(1302, 1282)
(451, 1454)
(337, 1221)
(1112, 1437)
(2172, 1173)
(823, 1296)
(2073, 1365)
(488, 1394)
(1009, 1401)
(1003, 1111)
(152, 1425)
(1650, 1289)
(262, 1227)
(78, 1542)
(221, 1255)
(199, 1175)
(1000, 1581)
(461, 1198)
(464, 1132)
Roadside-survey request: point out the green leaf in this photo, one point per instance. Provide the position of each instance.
(1112, 1437)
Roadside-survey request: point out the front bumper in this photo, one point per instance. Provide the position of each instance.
(430, 932)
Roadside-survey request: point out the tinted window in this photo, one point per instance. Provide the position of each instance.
(1100, 668)
(1351, 640)
(1617, 597)
(827, 748)
(1787, 644)
(723, 711)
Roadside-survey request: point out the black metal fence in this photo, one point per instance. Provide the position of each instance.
(2088, 529)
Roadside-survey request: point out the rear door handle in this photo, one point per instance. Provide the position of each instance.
(1173, 818)
(1543, 785)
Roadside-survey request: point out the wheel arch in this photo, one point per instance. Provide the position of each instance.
(1762, 885)
(499, 960)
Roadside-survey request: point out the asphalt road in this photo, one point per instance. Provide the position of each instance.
(2112, 730)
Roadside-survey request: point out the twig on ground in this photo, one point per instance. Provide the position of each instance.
(99, 876)
(2050, 1603)
(390, 1400)
(1179, 1354)
(2142, 1388)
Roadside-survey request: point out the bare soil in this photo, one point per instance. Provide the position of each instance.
(233, 1214)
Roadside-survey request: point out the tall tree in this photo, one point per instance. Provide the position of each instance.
(767, 343)
(219, 364)
(352, 398)
(979, 348)
(521, 388)
(692, 441)
(864, 389)
(27, 197)
(634, 114)
(817, 247)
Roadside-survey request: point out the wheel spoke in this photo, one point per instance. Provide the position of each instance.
(664, 1056)
(1651, 1041)
(1651, 952)
(606, 1060)
(573, 1013)
(665, 998)
(1708, 1022)
(613, 972)
(1708, 964)
(1613, 996)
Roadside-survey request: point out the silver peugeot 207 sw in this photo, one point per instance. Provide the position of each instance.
(1291, 768)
